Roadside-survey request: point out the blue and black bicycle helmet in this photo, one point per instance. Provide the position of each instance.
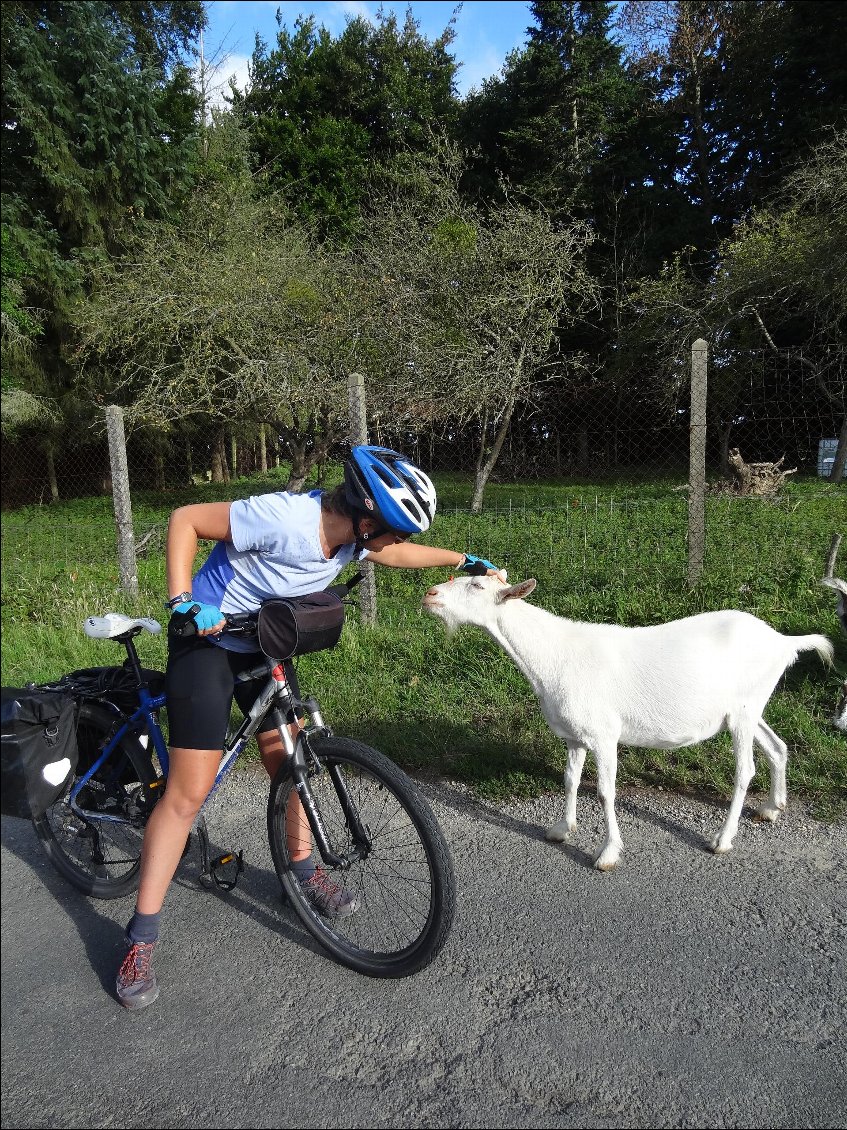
(383, 483)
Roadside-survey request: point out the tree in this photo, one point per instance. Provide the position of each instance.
(85, 144)
(783, 268)
(552, 117)
(745, 86)
(98, 130)
(319, 110)
(678, 42)
(777, 283)
(464, 304)
(570, 125)
(222, 316)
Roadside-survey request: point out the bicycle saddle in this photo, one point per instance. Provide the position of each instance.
(114, 624)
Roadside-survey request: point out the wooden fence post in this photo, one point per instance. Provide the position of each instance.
(359, 434)
(697, 462)
(122, 499)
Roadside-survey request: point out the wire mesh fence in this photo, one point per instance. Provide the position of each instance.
(591, 481)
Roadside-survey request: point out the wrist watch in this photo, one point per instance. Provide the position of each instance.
(175, 600)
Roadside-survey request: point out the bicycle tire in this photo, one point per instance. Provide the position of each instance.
(405, 886)
(102, 858)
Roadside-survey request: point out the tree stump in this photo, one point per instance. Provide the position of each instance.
(762, 480)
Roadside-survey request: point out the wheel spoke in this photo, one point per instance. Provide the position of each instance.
(403, 885)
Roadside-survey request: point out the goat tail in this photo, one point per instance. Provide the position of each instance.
(817, 643)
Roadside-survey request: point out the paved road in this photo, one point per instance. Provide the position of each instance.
(683, 990)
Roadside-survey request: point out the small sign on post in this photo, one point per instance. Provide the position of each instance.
(358, 435)
(697, 462)
(122, 499)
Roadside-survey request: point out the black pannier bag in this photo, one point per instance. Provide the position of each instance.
(39, 751)
(298, 625)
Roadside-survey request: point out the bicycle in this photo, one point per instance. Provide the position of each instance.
(375, 833)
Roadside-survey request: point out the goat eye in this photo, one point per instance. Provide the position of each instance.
(476, 585)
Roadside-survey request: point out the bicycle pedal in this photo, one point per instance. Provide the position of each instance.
(225, 871)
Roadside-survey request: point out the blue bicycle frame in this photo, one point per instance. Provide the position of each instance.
(144, 723)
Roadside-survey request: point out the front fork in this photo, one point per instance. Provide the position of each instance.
(302, 762)
(300, 772)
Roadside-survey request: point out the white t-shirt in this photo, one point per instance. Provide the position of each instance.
(275, 551)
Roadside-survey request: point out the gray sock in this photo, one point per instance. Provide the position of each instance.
(143, 928)
(304, 869)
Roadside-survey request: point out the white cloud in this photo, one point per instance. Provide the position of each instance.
(349, 9)
(219, 74)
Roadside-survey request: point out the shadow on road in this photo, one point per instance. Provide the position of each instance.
(257, 895)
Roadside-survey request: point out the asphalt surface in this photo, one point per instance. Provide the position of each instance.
(682, 990)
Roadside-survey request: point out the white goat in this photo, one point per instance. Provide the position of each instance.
(659, 687)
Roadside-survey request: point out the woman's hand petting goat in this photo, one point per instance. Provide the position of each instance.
(660, 687)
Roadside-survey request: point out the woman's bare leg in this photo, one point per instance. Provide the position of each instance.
(190, 777)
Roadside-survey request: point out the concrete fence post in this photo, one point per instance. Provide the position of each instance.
(122, 500)
(359, 434)
(697, 462)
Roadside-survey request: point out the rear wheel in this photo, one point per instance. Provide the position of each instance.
(396, 872)
(102, 857)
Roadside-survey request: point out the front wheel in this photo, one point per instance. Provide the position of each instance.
(396, 875)
(100, 857)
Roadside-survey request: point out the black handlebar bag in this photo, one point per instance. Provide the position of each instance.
(39, 750)
(298, 625)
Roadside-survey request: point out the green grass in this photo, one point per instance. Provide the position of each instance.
(458, 707)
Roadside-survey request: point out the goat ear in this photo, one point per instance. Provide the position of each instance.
(518, 591)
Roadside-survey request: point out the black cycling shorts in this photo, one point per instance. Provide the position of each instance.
(200, 681)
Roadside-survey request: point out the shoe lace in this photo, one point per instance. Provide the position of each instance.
(322, 882)
(136, 964)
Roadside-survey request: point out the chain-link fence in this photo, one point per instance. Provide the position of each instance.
(598, 474)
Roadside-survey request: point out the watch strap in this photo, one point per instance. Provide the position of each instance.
(175, 600)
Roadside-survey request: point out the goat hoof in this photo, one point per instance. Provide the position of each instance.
(719, 846)
(558, 833)
(767, 813)
(606, 861)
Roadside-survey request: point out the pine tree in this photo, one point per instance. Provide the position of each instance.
(99, 121)
(321, 110)
(559, 107)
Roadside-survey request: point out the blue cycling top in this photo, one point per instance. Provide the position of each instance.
(275, 551)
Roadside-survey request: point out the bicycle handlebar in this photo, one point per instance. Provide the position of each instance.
(182, 625)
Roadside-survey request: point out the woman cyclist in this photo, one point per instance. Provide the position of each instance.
(270, 545)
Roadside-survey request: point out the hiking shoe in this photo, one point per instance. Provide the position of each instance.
(327, 897)
(136, 984)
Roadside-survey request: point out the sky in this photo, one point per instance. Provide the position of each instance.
(486, 30)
